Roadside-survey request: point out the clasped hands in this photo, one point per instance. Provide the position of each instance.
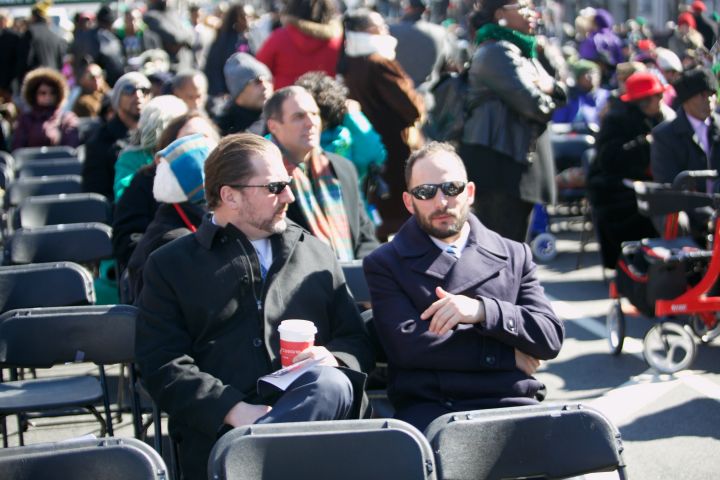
(243, 413)
(450, 310)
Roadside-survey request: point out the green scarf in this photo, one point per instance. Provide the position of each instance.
(493, 31)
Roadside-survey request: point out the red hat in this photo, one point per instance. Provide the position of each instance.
(698, 6)
(640, 85)
(646, 45)
(686, 18)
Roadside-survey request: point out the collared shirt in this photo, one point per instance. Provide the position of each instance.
(701, 130)
(458, 245)
(263, 248)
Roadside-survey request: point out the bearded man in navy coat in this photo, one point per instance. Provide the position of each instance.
(458, 308)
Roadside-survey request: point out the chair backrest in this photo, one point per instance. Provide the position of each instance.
(18, 190)
(38, 153)
(43, 337)
(107, 459)
(51, 167)
(542, 441)
(83, 243)
(63, 208)
(355, 279)
(45, 285)
(346, 449)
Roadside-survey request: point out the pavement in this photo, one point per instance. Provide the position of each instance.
(670, 424)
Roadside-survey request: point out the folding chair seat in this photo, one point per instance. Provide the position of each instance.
(29, 154)
(540, 441)
(51, 167)
(22, 188)
(347, 449)
(106, 459)
(62, 209)
(43, 337)
(84, 243)
(45, 285)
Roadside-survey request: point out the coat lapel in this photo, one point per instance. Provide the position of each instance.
(483, 256)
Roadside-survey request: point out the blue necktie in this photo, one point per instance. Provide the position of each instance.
(263, 271)
(452, 250)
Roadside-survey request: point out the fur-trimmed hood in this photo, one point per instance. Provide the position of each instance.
(322, 31)
(40, 76)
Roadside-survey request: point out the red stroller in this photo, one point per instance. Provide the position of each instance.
(670, 280)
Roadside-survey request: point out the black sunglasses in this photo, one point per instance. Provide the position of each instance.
(130, 89)
(273, 187)
(429, 190)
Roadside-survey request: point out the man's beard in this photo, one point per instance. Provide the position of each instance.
(426, 224)
(272, 225)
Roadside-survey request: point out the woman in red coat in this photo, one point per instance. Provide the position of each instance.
(310, 40)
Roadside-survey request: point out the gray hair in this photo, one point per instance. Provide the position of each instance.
(155, 116)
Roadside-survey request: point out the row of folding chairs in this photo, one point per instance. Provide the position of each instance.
(552, 441)
(38, 162)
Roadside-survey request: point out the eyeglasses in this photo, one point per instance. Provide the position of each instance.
(429, 190)
(129, 89)
(273, 187)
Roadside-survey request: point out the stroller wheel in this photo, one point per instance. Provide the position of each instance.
(703, 332)
(669, 347)
(615, 326)
(543, 247)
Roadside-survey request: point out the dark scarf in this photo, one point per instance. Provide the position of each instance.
(492, 31)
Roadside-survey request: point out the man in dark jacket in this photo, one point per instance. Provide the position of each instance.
(459, 335)
(130, 93)
(692, 140)
(175, 34)
(40, 46)
(249, 84)
(325, 185)
(212, 303)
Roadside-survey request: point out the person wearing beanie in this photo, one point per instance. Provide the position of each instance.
(249, 83)
(40, 46)
(707, 27)
(623, 152)
(179, 189)
(156, 115)
(128, 96)
(692, 140)
(602, 45)
(137, 207)
(685, 37)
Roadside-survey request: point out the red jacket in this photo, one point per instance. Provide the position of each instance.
(293, 50)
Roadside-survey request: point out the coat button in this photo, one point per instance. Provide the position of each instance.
(448, 404)
(490, 359)
(245, 280)
(257, 342)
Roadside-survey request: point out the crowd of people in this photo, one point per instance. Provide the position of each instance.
(249, 151)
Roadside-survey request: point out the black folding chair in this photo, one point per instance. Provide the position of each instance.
(84, 243)
(22, 188)
(51, 167)
(62, 209)
(106, 459)
(543, 441)
(355, 280)
(347, 449)
(29, 154)
(45, 285)
(43, 337)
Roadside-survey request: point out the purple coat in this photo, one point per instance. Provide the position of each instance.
(42, 127)
(473, 366)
